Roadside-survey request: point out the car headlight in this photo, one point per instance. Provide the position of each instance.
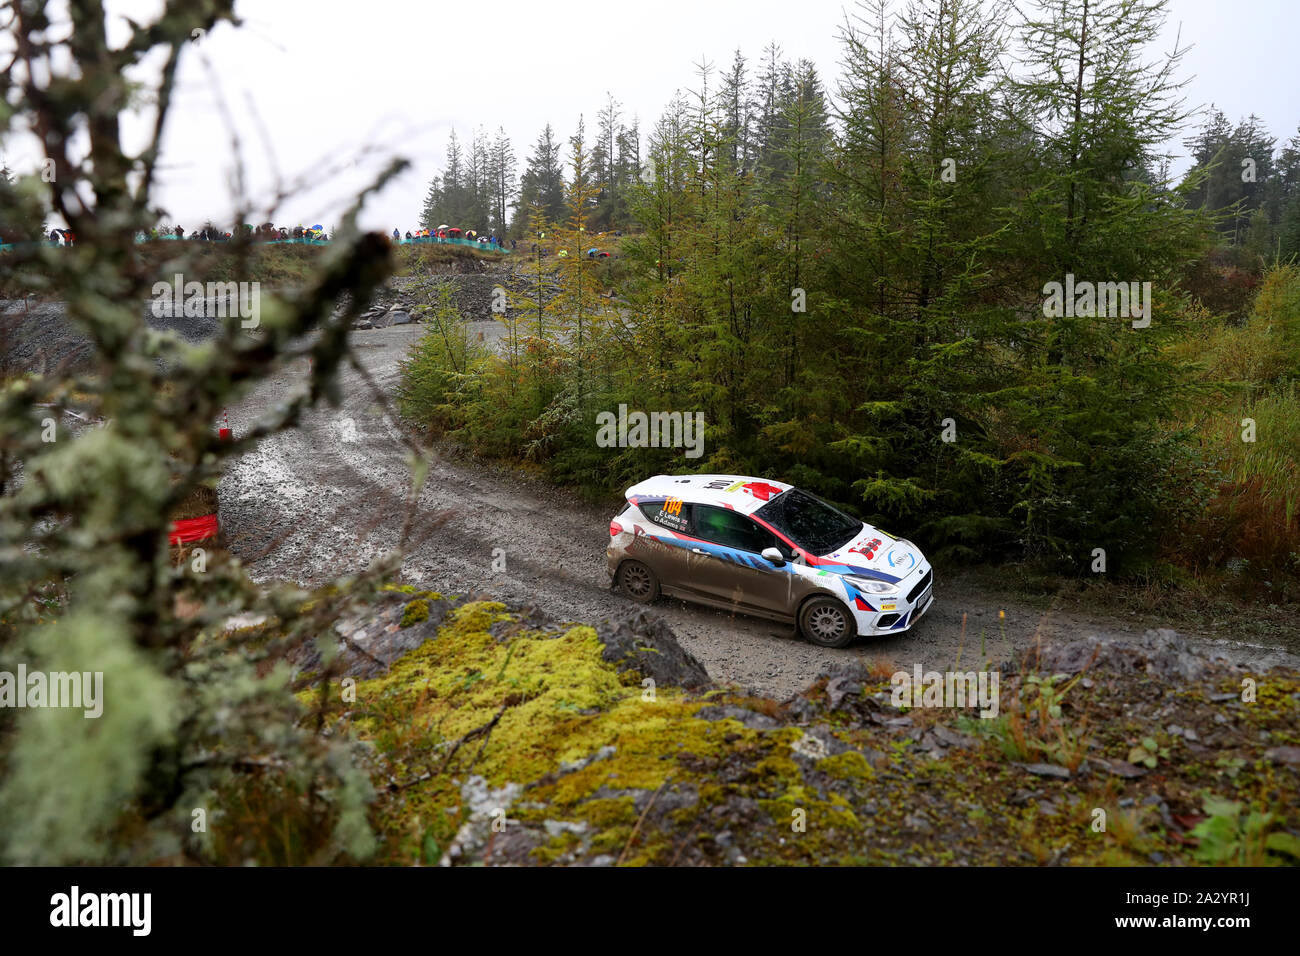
(871, 586)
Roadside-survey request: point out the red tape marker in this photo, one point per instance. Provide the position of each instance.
(193, 529)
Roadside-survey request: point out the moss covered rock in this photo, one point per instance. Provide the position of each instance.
(507, 739)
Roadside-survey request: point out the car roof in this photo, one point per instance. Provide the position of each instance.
(741, 493)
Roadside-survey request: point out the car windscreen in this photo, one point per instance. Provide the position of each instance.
(809, 522)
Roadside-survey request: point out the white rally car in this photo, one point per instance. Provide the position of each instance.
(766, 548)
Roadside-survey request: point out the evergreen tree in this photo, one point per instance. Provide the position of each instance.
(736, 102)
(477, 214)
(1102, 387)
(543, 178)
(504, 182)
(577, 301)
(535, 304)
(627, 172)
(1232, 173)
(604, 161)
(768, 119)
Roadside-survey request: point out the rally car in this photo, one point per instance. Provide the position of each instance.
(767, 549)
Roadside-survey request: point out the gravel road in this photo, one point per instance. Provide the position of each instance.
(328, 497)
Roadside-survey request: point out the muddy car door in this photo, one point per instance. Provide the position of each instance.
(667, 556)
(730, 565)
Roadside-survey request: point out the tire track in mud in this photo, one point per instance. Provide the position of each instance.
(328, 497)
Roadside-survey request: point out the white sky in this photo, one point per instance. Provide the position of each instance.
(329, 77)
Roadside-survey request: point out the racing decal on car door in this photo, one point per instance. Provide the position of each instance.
(719, 551)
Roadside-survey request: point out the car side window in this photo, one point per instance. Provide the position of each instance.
(732, 530)
(671, 513)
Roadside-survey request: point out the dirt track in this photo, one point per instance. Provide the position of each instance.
(326, 498)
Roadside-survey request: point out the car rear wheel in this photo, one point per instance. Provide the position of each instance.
(827, 623)
(638, 582)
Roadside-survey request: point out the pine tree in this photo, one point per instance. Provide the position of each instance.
(604, 161)
(577, 301)
(543, 178)
(535, 304)
(453, 182)
(627, 171)
(479, 182)
(504, 177)
(737, 106)
(768, 104)
(794, 200)
(1099, 112)
(662, 200)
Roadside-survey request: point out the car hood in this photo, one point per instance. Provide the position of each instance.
(877, 553)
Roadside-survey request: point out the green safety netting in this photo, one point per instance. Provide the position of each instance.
(483, 246)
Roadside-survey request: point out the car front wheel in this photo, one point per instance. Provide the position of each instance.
(638, 582)
(827, 623)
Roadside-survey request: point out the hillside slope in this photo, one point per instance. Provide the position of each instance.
(503, 737)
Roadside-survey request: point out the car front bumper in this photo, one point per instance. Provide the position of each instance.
(894, 616)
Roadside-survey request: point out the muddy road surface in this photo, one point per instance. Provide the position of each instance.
(328, 497)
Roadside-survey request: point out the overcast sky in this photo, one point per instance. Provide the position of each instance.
(326, 79)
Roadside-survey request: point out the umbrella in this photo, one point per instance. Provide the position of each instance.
(443, 226)
(592, 251)
(471, 233)
(318, 228)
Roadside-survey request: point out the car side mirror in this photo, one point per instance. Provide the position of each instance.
(774, 555)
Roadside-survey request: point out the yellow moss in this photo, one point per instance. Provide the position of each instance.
(416, 611)
(609, 812)
(557, 848)
(849, 765)
(563, 703)
(779, 772)
(612, 840)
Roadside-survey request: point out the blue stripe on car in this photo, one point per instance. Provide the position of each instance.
(860, 572)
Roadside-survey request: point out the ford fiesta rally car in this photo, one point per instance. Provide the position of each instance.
(768, 549)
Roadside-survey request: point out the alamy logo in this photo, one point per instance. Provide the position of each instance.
(54, 689)
(215, 300)
(102, 909)
(1113, 300)
(949, 689)
(653, 430)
